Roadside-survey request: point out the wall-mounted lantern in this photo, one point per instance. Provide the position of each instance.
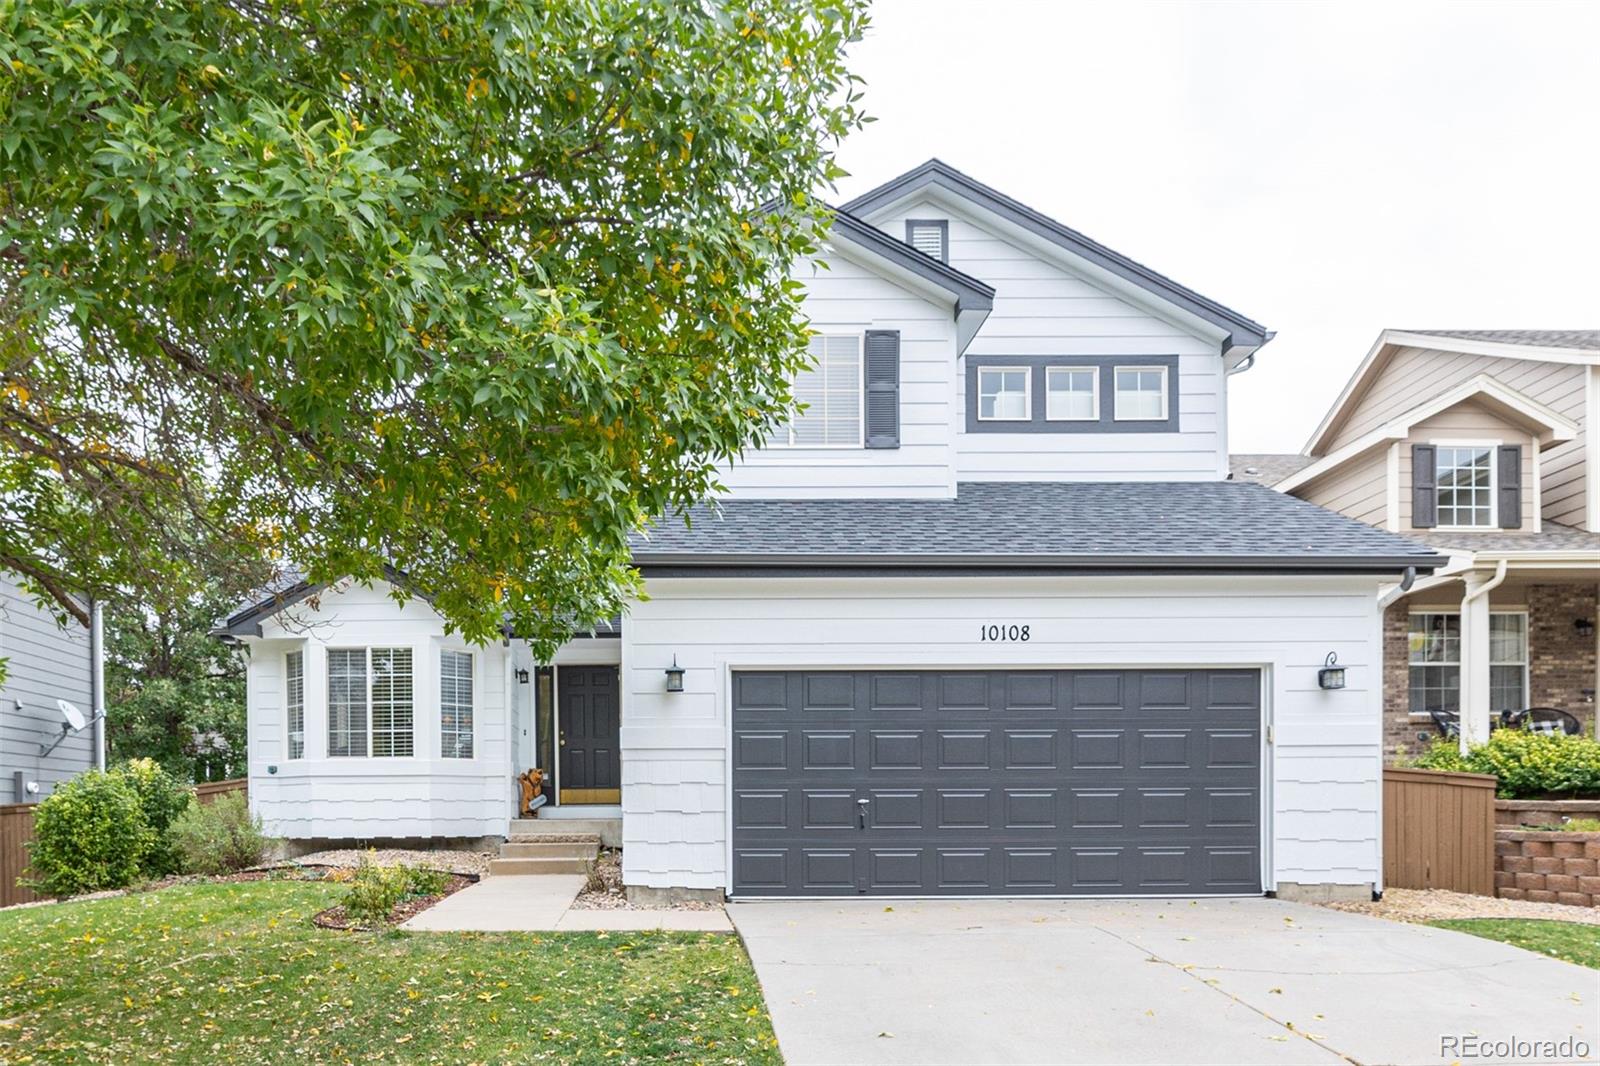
(522, 677)
(1332, 674)
(674, 676)
(1584, 628)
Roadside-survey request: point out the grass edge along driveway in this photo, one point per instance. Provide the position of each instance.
(1568, 941)
(221, 973)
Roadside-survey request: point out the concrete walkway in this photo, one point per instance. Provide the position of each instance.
(1161, 981)
(543, 903)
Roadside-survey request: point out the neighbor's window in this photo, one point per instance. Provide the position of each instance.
(1003, 394)
(1435, 653)
(455, 704)
(369, 702)
(1072, 394)
(1141, 393)
(1466, 485)
(294, 701)
(831, 393)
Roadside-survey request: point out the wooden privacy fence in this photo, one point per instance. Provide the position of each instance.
(1438, 830)
(16, 829)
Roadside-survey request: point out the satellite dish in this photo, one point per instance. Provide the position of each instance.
(74, 717)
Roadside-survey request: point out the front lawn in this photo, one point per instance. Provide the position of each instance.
(1567, 941)
(218, 973)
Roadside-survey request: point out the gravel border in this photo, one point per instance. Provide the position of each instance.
(604, 890)
(474, 863)
(1427, 905)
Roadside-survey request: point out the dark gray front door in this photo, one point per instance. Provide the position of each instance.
(590, 730)
(1048, 782)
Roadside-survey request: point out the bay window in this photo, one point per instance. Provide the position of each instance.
(294, 702)
(455, 704)
(370, 702)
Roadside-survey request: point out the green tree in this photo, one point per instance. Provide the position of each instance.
(472, 288)
(174, 693)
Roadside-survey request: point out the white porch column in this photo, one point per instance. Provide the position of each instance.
(1474, 662)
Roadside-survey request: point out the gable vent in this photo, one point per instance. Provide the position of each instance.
(931, 237)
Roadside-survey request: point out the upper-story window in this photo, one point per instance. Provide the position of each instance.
(1141, 393)
(1072, 393)
(369, 702)
(831, 393)
(1003, 394)
(1465, 485)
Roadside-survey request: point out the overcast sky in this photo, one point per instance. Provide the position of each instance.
(1329, 170)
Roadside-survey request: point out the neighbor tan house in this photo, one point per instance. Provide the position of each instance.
(1484, 443)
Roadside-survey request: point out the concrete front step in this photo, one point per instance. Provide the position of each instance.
(539, 849)
(609, 830)
(521, 867)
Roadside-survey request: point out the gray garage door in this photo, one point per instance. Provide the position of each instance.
(1069, 782)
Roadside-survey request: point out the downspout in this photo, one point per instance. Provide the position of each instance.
(1407, 579)
(1244, 364)
(97, 681)
(1473, 594)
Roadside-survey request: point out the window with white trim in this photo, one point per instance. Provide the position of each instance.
(1141, 394)
(455, 704)
(830, 392)
(1465, 485)
(1435, 661)
(1004, 394)
(294, 702)
(370, 702)
(1072, 394)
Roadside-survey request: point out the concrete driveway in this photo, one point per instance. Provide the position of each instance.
(1161, 981)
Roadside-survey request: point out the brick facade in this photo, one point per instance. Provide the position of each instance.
(1561, 664)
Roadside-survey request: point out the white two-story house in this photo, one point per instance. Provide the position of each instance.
(988, 617)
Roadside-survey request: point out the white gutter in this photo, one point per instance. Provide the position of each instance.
(1474, 593)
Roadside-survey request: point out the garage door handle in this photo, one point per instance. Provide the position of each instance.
(861, 812)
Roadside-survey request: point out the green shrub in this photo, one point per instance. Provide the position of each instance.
(89, 834)
(427, 882)
(1573, 825)
(374, 891)
(219, 837)
(162, 798)
(1526, 764)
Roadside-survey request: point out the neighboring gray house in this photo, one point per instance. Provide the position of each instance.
(44, 663)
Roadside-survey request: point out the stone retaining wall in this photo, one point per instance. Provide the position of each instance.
(1547, 867)
(1543, 812)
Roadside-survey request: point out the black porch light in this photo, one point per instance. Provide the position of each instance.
(674, 676)
(522, 677)
(1584, 627)
(1332, 674)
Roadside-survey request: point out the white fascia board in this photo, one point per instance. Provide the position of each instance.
(1556, 428)
(1391, 339)
(967, 211)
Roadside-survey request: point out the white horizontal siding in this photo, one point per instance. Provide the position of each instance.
(318, 797)
(845, 297)
(44, 662)
(1041, 308)
(1323, 772)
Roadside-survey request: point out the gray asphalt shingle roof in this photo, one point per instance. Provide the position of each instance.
(1552, 537)
(1535, 338)
(1221, 525)
(1267, 468)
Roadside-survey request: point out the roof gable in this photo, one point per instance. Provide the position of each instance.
(1554, 346)
(1501, 400)
(936, 177)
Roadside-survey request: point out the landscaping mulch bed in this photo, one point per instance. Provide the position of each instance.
(605, 892)
(335, 917)
(1430, 905)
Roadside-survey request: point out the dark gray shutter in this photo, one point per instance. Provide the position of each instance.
(1424, 486)
(1508, 485)
(882, 400)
